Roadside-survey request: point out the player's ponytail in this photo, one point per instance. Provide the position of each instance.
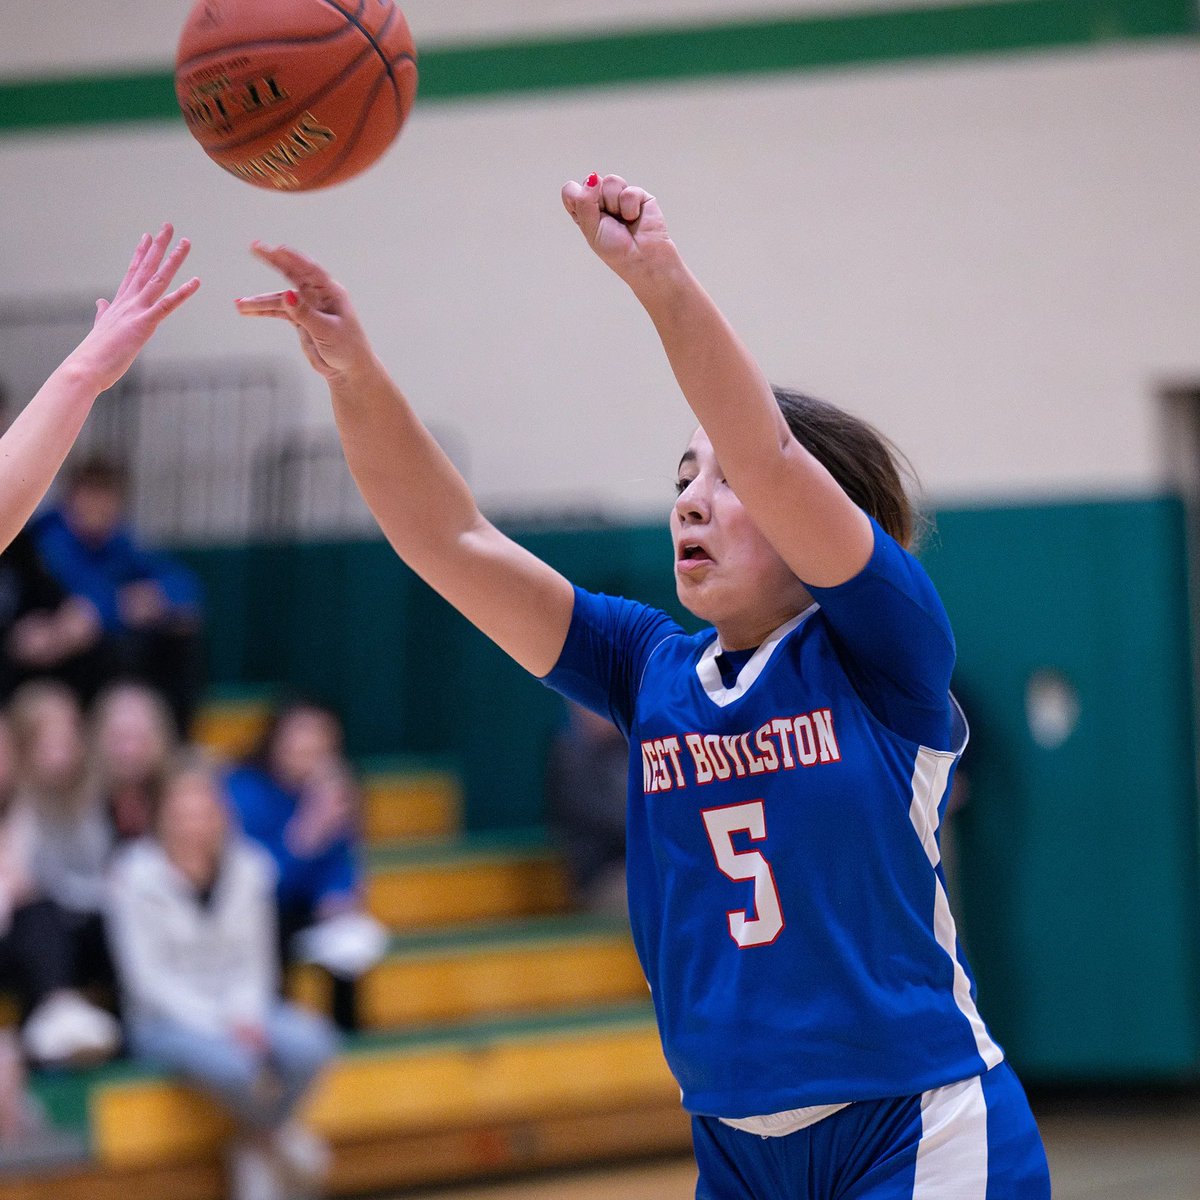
(867, 466)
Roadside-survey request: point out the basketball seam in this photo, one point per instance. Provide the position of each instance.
(388, 66)
(348, 147)
(400, 114)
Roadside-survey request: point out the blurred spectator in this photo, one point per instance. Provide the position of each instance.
(298, 799)
(148, 605)
(37, 957)
(43, 630)
(133, 741)
(586, 781)
(71, 838)
(193, 931)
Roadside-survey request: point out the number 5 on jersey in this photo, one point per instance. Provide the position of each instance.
(721, 824)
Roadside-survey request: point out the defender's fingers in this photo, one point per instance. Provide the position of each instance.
(135, 262)
(161, 279)
(169, 303)
(153, 257)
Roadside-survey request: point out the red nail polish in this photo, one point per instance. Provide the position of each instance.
(290, 298)
(591, 180)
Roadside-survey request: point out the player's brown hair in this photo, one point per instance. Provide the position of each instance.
(866, 464)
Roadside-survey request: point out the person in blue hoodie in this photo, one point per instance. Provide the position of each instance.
(148, 605)
(297, 798)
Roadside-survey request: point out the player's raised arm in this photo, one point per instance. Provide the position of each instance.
(34, 447)
(818, 531)
(422, 503)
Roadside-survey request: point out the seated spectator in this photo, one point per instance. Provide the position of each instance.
(71, 841)
(585, 802)
(297, 798)
(193, 932)
(43, 630)
(148, 605)
(36, 960)
(133, 741)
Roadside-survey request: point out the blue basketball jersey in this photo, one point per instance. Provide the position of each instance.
(784, 877)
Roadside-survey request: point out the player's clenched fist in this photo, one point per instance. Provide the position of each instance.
(624, 225)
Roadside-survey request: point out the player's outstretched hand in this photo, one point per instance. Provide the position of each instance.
(330, 333)
(623, 225)
(125, 323)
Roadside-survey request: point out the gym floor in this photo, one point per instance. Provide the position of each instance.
(1101, 1147)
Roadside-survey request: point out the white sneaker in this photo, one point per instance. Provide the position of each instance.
(66, 1030)
(303, 1159)
(347, 945)
(252, 1173)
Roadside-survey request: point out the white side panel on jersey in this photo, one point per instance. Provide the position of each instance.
(952, 1158)
(930, 774)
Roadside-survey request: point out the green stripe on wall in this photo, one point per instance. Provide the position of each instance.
(743, 48)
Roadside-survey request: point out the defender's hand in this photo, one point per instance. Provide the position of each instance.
(125, 323)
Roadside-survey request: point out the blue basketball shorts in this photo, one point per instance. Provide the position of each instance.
(972, 1140)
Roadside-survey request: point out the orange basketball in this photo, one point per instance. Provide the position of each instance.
(295, 94)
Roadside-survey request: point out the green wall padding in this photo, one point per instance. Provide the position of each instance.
(349, 623)
(1078, 874)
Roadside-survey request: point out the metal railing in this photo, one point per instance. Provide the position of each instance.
(217, 450)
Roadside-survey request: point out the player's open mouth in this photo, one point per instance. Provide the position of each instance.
(693, 554)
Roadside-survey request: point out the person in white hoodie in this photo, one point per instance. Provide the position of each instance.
(193, 930)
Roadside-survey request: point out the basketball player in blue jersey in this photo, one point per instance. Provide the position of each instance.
(38, 441)
(788, 766)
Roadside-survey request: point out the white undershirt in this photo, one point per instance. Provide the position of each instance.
(780, 1124)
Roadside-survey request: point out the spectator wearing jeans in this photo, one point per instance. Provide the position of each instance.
(192, 912)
